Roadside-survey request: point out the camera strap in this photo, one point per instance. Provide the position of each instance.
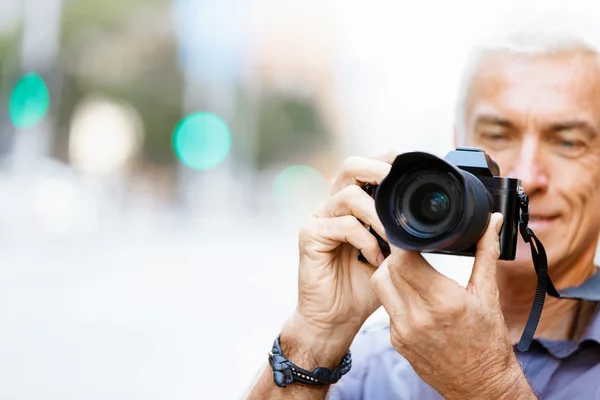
(589, 290)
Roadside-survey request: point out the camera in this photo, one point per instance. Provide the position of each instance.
(436, 205)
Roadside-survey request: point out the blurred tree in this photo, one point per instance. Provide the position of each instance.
(290, 129)
(8, 58)
(126, 50)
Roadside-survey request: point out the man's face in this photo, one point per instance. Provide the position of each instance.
(538, 117)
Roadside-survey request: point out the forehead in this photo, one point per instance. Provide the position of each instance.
(562, 85)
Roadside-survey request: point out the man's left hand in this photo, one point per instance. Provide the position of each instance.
(455, 338)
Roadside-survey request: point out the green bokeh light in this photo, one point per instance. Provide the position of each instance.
(298, 190)
(29, 101)
(201, 141)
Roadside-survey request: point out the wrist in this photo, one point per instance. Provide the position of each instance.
(515, 386)
(309, 345)
(506, 384)
(509, 385)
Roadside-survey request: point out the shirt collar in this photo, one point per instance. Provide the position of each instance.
(593, 330)
(562, 348)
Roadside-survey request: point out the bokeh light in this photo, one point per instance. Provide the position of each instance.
(201, 141)
(298, 191)
(29, 101)
(104, 135)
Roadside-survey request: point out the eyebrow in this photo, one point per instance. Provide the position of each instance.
(493, 120)
(554, 127)
(575, 124)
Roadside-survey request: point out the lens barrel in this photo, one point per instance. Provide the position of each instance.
(428, 204)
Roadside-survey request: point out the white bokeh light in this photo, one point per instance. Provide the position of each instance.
(104, 135)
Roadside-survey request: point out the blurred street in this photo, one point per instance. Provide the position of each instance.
(178, 314)
(172, 313)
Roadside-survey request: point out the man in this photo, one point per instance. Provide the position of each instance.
(531, 99)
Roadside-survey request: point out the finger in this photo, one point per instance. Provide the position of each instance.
(412, 274)
(358, 171)
(387, 293)
(329, 233)
(388, 156)
(352, 200)
(486, 256)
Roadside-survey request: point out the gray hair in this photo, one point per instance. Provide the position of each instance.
(550, 33)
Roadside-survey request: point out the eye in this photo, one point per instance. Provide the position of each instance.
(570, 147)
(570, 144)
(494, 136)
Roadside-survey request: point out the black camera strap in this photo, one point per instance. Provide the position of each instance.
(589, 290)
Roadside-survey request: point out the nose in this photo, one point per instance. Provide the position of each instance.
(530, 167)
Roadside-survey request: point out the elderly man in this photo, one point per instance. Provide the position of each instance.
(531, 99)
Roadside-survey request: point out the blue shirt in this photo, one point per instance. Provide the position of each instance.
(554, 369)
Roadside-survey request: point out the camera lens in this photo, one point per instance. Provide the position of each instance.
(424, 203)
(430, 204)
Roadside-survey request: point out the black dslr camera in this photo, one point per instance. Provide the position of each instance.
(436, 205)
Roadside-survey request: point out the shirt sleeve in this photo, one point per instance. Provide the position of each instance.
(365, 345)
(379, 372)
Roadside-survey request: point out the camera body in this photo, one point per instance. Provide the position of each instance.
(443, 206)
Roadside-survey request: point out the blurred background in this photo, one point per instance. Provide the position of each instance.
(157, 158)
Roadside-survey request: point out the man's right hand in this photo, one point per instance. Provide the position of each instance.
(335, 296)
(334, 290)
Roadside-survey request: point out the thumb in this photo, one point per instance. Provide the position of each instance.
(486, 255)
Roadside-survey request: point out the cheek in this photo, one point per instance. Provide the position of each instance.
(576, 183)
(577, 194)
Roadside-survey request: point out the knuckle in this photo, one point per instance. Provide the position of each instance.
(495, 250)
(350, 222)
(308, 230)
(397, 261)
(491, 249)
(494, 294)
(389, 156)
(372, 242)
(326, 229)
(348, 195)
(378, 277)
(350, 163)
(368, 252)
(375, 281)
(346, 200)
(354, 191)
(394, 271)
